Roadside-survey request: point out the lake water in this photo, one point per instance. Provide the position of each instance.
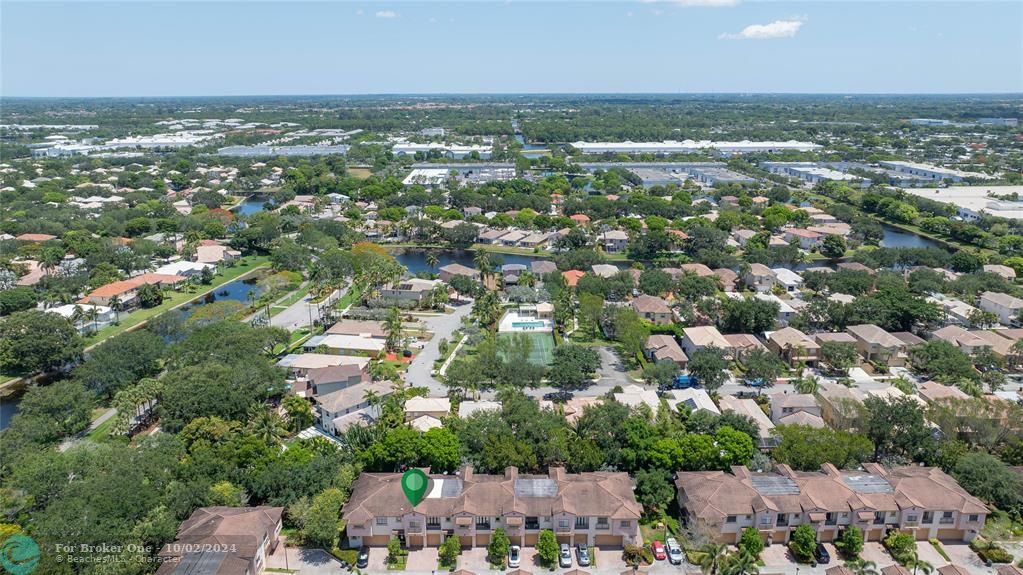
(896, 238)
(415, 260)
(251, 205)
(237, 290)
(8, 407)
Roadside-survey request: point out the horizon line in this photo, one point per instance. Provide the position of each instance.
(491, 94)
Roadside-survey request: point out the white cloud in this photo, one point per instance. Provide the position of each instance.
(387, 14)
(359, 12)
(771, 31)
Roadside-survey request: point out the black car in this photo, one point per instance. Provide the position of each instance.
(558, 396)
(363, 561)
(821, 554)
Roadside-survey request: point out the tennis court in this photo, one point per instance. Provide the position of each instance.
(542, 351)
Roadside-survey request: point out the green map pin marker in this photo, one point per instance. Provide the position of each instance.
(415, 483)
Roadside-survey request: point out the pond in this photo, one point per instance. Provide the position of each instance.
(237, 290)
(251, 205)
(415, 259)
(896, 238)
(8, 407)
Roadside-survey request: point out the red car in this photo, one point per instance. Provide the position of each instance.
(658, 548)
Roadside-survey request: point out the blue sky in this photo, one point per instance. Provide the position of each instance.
(135, 48)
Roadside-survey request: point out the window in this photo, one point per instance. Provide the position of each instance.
(582, 522)
(879, 518)
(415, 526)
(562, 523)
(625, 524)
(912, 518)
(482, 523)
(433, 522)
(731, 519)
(974, 518)
(381, 521)
(765, 520)
(946, 518)
(532, 522)
(602, 523)
(830, 519)
(783, 520)
(928, 517)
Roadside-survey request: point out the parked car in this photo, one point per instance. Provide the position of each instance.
(558, 396)
(514, 557)
(674, 551)
(582, 555)
(363, 560)
(565, 558)
(658, 548)
(821, 554)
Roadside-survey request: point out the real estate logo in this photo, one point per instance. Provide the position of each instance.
(415, 484)
(19, 555)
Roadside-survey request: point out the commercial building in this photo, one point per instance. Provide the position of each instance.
(936, 173)
(973, 202)
(810, 172)
(453, 151)
(596, 508)
(691, 146)
(287, 151)
(922, 501)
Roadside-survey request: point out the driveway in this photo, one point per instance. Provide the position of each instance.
(442, 326)
(300, 313)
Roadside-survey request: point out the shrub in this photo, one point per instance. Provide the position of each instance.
(900, 545)
(637, 555)
(803, 542)
(448, 552)
(547, 548)
(990, 552)
(751, 542)
(850, 542)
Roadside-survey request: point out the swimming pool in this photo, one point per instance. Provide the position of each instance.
(529, 324)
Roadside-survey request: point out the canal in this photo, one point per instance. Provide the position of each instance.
(896, 238)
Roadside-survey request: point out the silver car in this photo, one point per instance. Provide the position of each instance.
(565, 558)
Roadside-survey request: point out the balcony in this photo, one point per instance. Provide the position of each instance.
(603, 526)
(483, 526)
(563, 528)
(535, 525)
(946, 521)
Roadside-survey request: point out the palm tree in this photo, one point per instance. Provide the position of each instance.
(92, 314)
(267, 425)
(739, 563)
(392, 326)
(710, 557)
(482, 261)
(432, 260)
(299, 412)
(372, 398)
(862, 567)
(917, 563)
(77, 315)
(115, 304)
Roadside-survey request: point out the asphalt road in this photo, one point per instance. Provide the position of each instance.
(442, 326)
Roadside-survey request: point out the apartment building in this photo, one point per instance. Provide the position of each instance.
(251, 532)
(596, 508)
(923, 501)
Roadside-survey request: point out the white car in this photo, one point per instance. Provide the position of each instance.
(674, 551)
(514, 556)
(565, 558)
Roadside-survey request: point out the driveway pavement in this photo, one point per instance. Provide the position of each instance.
(442, 326)
(300, 313)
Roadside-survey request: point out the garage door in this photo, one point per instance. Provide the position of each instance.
(566, 538)
(951, 534)
(873, 535)
(433, 539)
(609, 541)
(465, 540)
(530, 539)
(581, 539)
(414, 540)
(779, 536)
(727, 538)
(376, 540)
(483, 540)
(922, 534)
(827, 536)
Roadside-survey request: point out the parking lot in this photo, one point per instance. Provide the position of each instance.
(777, 560)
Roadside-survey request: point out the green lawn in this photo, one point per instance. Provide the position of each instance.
(354, 292)
(174, 299)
